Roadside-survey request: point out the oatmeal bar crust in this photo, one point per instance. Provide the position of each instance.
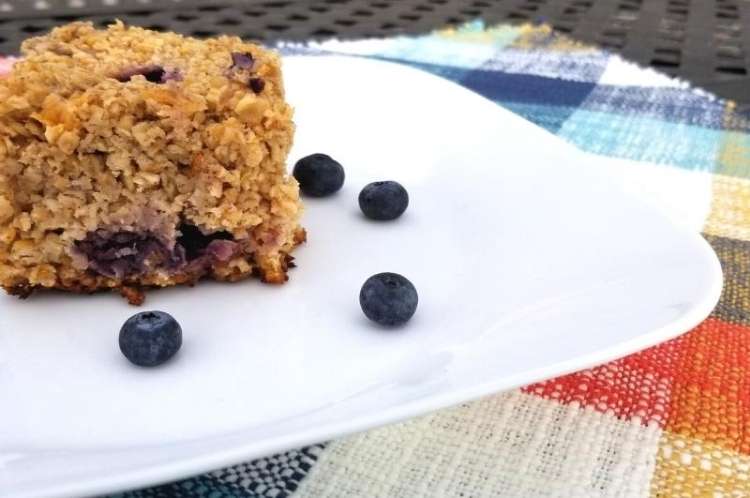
(134, 136)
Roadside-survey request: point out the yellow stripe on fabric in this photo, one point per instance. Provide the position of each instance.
(687, 468)
(533, 37)
(730, 208)
(734, 155)
(734, 152)
(733, 120)
(476, 32)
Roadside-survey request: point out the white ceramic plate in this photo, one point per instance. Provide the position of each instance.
(529, 261)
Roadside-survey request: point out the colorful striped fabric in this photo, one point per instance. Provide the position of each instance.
(671, 421)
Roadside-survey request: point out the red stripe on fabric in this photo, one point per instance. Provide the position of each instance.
(697, 384)
(635, 386)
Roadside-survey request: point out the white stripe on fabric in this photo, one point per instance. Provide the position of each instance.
(620, 72)
(431, 49)
(508, 445)
(587, 66)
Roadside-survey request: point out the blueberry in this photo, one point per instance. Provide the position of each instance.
(256, 84)
(388, 299)
(318, 175)
(155, 74)
(150, 338)
(383, 200)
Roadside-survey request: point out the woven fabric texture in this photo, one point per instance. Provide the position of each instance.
(671, 421)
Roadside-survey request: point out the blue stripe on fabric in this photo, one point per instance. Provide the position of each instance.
(643, 139)
(506, 88)
(676, 105)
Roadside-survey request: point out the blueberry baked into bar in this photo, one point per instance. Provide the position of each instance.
(132, 159)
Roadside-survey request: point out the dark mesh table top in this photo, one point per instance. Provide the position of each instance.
(704, 41)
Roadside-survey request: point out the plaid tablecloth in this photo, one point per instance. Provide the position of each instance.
(671, 421)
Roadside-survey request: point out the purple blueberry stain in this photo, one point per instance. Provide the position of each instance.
(257, 84)
(152, 72)
(126, 253)
(242, 60)
(122, 253)
(221, 250)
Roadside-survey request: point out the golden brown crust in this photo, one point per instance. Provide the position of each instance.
(134, 295)
(300, 236)
(81, 151)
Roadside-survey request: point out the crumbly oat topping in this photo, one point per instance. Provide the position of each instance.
(127, 130)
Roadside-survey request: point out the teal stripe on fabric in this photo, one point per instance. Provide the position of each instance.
(467, 48)
(436, 50)
(453, 73)
(644, 139)
(551, 118)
